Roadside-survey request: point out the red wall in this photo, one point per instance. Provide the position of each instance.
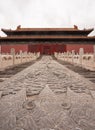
(51, 48)
(47, 48)
(7, 48)
(87, 48)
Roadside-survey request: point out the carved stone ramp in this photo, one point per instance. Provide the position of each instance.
(10, 107)
(67, 114)
(47, 96)
(47, 112)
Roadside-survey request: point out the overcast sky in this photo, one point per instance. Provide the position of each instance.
(47, 13)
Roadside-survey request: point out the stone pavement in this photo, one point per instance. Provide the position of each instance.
(47, 96)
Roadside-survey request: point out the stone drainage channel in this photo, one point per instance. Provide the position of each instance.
(47, 96)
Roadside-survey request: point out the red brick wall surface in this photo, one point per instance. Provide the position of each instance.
(87, 48)
(7, 48)
(47, 48)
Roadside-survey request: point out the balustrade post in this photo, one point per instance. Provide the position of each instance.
(81, 52)
(13, 55)
(26, 56)
(73, 53)
(21, 55)
(0, 58)
(68, 56)
(94, 56)
(94, 53)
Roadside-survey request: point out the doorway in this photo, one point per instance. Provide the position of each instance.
(46, 50)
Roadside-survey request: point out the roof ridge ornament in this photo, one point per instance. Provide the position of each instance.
(75, 27)
(18, 27)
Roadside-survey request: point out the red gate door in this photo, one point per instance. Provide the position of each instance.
(46, 50)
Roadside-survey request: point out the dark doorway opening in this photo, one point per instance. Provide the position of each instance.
(46, 50)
